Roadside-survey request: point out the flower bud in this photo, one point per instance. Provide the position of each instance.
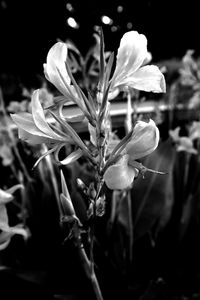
(120, 175)
(144, 140)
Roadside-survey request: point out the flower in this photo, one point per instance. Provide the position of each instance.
(55, 70)
(130, 69)
(6, 231)
(34, 129)
(144, 140)
(185, 143)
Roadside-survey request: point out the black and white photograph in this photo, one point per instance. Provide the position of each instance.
(99, 150)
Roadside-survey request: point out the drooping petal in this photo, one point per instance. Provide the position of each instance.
(55, 69)
(145, 139)
(131, 54)
(5, 197)
(120, 175)
(148, 79)
(34, 139)
(25, 122)
(39, 117)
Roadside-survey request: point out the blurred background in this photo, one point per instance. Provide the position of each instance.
(29, 28)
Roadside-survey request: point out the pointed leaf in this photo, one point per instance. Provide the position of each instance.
(102, 60)
(72, 157)
(72, 133)
(67, 206)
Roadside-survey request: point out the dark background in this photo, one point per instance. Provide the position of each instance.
(29, 28)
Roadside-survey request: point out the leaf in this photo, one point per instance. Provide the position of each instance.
(67, 206)
(73, 134)
(65, 190)
(102, 60)
(72, 157)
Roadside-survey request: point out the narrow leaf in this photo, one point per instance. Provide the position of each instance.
(72, 157)
(72, 133)
(67, 206)
(102, 60)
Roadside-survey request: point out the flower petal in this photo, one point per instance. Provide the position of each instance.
(144, 140)
(39, 117)
(56, 59)
(119, 176)
(25, 122)
(131, 54)
(5, 197)
(148, 79)
(33, 139)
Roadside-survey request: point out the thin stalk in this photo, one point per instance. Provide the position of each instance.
(24, 169)
(89, 270)
(130, 221)
(54, 180)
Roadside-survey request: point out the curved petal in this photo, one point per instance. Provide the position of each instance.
(25, 122)
(34, 139)
(5, 197)
(131, 54)
(144, 140)
(119, 176)
(55, 69)
(39, 117)
(148, 79)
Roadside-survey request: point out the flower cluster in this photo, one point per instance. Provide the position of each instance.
(116, 166)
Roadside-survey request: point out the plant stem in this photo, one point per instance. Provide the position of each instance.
(89, 270)
(53, 179)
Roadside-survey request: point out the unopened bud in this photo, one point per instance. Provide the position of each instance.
(81, 185)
